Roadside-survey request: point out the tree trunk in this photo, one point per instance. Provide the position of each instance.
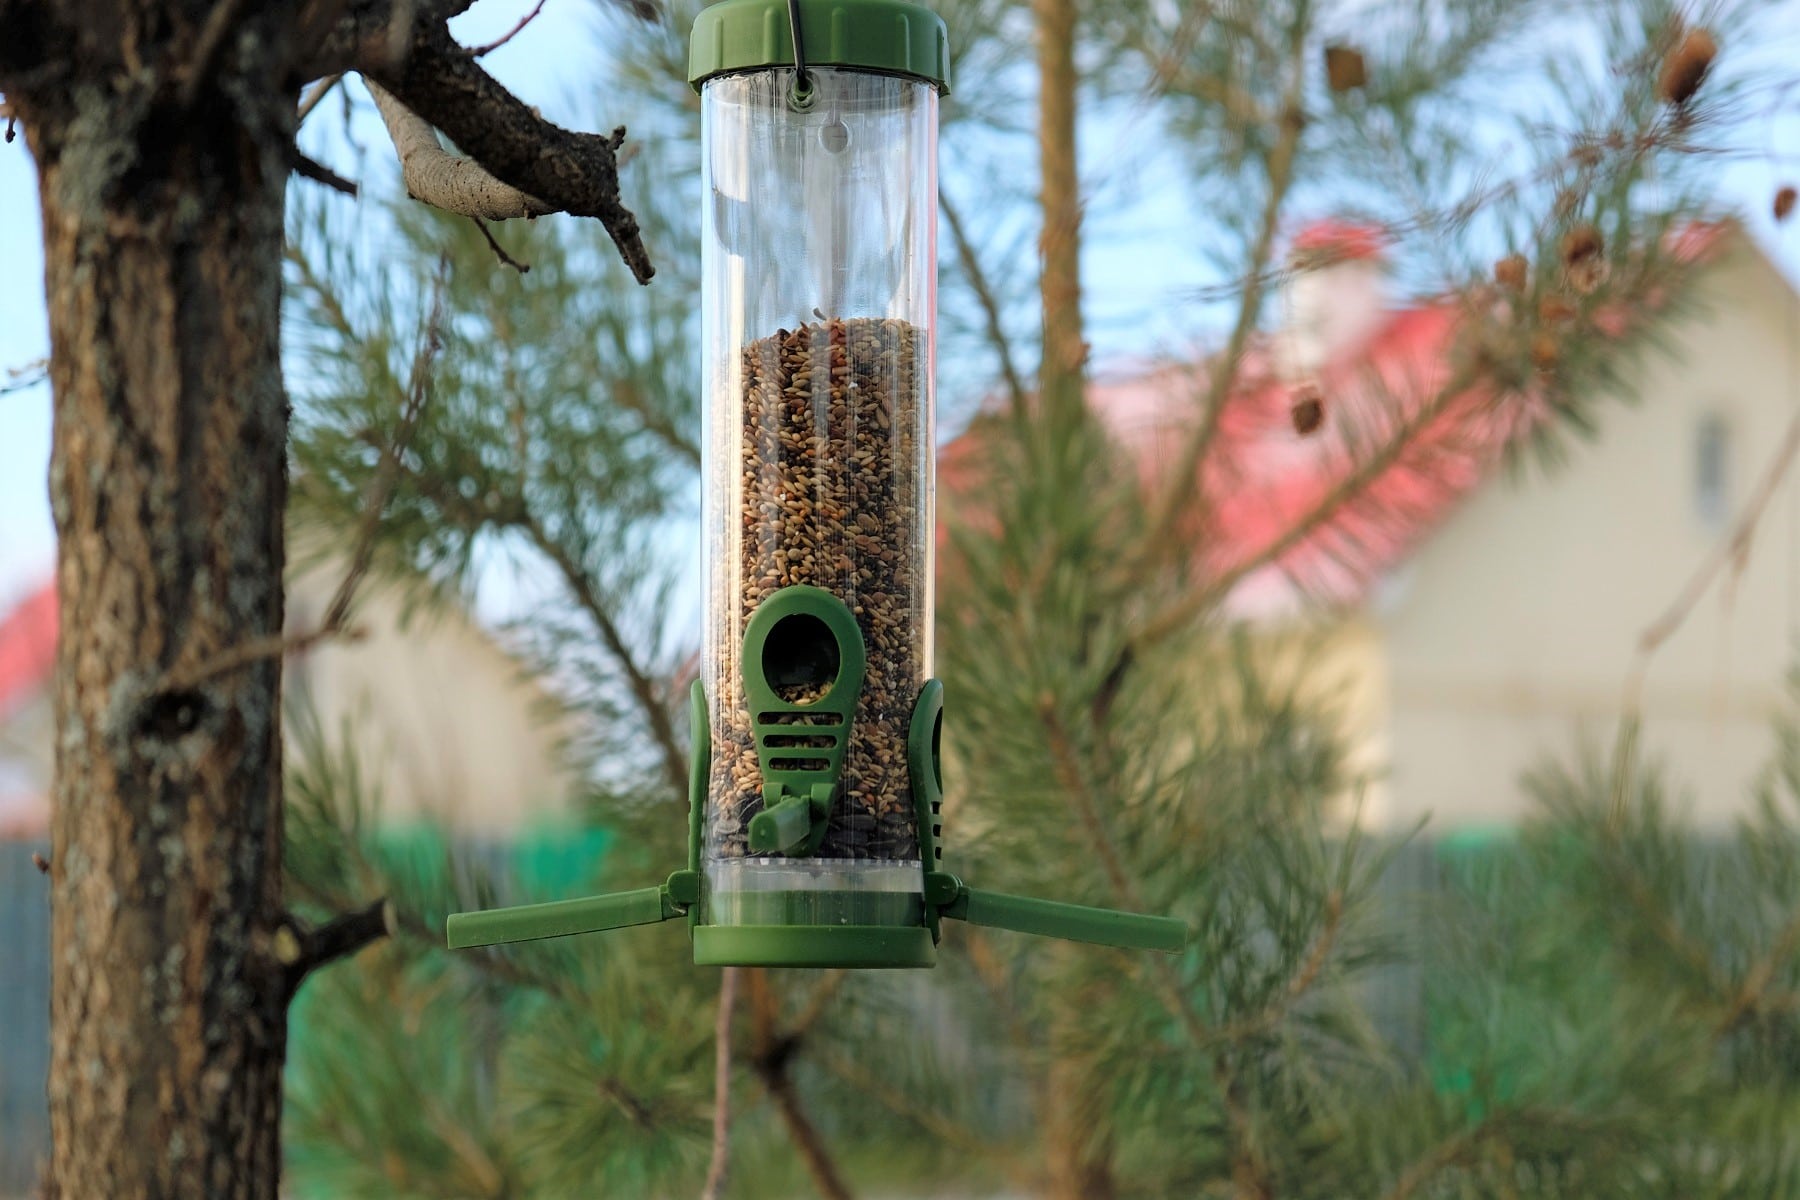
(1079, 1162)
(163, 228)
(1059, 243)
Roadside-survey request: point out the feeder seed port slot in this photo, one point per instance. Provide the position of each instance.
(799, 718)
(801, 659)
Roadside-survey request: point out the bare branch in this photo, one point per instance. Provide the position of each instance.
(27, 376)
(984, 295)
(628, 395)
(510, 34)
(41, 863)
(721, 1133)
(1732, 548)
(772, 1053)
(498, 249)
(444, 180)
(316, 93)
(274, 645)
(576, 173)
(301, 950)
(318, 172)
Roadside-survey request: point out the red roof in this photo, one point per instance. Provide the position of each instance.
(1262, 476)
(27, 648)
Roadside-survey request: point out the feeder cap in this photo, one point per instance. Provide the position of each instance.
(890, 37)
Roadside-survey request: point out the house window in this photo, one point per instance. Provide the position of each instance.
(1712, 470)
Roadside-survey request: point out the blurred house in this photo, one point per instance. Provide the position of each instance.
(1469, 624)
(443, 722)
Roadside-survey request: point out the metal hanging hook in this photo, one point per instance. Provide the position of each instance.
(802, 85)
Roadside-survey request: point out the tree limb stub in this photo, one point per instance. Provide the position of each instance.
(576, 173)
(301, 950)
(444, 180)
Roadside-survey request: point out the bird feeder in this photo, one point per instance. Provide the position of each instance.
(814, 826)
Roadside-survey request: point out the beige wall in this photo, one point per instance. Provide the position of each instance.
(441, 718)
(1515, 627)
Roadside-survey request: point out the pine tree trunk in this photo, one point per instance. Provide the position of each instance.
(1079, 1162)
(163, 229)
(1059, 243)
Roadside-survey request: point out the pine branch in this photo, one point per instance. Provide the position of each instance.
(1755, 995)
(656, 420)
(644, 689)
(985, 296)
(1311, 966)
(1249, 1166)
(1184, 484)
(1453, 1151)
(930, 1119)
(1348, 491)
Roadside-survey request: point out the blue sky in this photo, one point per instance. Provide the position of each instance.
(1144, 253)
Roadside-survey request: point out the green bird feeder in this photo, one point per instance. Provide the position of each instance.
(814, 826)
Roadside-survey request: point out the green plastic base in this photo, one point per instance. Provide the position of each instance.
(813, 946)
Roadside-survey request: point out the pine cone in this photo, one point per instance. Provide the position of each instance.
(1582, 243)
(1685, 67)
(1345, 69)
(1308, 412)
(1512, 272)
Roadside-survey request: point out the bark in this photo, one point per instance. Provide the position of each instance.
(1059, 243)
(163, 227)
(444, 180)
(1079, 1163)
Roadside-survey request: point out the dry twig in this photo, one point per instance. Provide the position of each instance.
(498, 249)
(316, 93)
(510, 34)
(318, 172)
(986, 298)
(721, 1132)
(771, 1053)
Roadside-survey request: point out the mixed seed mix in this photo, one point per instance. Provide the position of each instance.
(831, 477)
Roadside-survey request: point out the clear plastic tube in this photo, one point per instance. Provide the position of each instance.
(819, 299)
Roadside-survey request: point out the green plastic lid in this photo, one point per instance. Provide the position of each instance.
(892, 37)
